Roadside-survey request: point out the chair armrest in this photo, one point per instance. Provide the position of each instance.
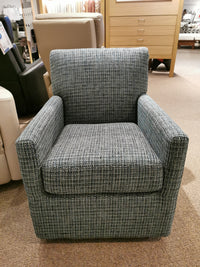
(36, 141)
(33, 85)
(166, 138)
(47, 81)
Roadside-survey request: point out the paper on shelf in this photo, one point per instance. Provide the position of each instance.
(5, 43)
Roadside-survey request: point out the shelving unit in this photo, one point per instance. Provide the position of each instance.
(28, 16)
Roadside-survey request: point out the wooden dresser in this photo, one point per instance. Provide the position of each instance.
(154, 25)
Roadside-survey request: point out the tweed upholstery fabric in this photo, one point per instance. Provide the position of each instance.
(93, 216)
(36, 142)
(99, 85)
(101, 214)
(166, 138)
(121, 158)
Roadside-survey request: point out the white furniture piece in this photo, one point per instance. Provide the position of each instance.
(10, 128)
(9, 131)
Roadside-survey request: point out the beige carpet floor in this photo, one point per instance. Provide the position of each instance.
(180, 98)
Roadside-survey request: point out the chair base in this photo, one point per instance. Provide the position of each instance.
(103, 216)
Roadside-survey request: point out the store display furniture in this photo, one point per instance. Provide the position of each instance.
(101, 159)
(25, 82)
(189, 33)
(66, 31)
(9, 131)
(153, 24)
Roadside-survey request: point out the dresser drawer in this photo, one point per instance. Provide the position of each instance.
(143, 8)
(141, 40)
(143, 20)
(154, 51)
(142, 30)
(160, 51)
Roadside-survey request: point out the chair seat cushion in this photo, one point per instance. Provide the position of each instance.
(102, 158)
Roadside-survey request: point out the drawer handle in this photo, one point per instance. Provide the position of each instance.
(141, 30)
(141, 20)
(140, 40)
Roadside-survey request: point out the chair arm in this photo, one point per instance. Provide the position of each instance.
(166, 138)
(36, 141)
(47, 82)
(33, 85)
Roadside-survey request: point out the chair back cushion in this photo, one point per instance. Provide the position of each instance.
(63, 34)
(97, 17)
(9, 78)
(99, 85)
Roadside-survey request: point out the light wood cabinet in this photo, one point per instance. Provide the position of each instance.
(154, 25)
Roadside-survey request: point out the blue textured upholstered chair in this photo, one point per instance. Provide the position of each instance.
(101, 159)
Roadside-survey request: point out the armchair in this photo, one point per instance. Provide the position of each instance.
(66, 31)
(101, 159)
(9, 131)
(24, 82)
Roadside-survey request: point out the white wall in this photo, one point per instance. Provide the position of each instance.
(191, 5)
(16, 3)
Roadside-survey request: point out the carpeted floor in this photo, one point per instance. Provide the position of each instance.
(180, 98)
